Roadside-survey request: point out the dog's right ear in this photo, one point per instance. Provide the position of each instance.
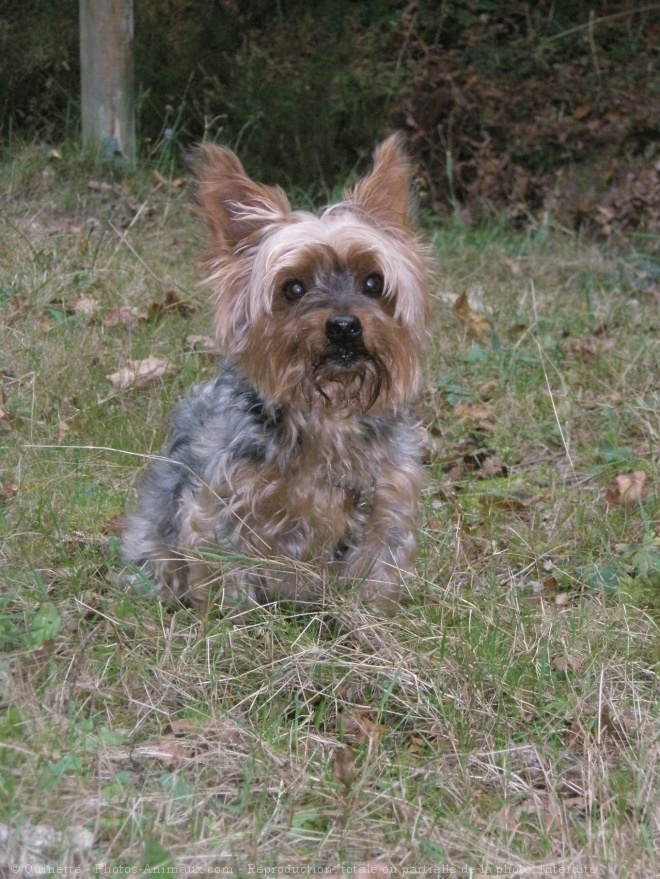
(234, 207)
(385, 193)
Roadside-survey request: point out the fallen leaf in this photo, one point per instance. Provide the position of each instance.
(583, 348)
(550, 584)
(7, 491)
(116, 525)
(138, 373)
(473, 412)
(85, 305)
(342, 765)
(611, 726)
(456, 470)
(99, 187)
(169, 750)
(578, 803)
(163, 181)
(491, 467)
(62, 430)
(568, 662)
(473, 457)
(357, 727)
(471, 322)
(477, 413)
(582, 111)
(485, 392)
(168, 305)
(206, 343)
(512, 265)
(123, 316)
(182, 727)
(627, 489)
(517, 500)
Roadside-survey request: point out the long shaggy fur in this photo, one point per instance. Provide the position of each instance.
(299, 464)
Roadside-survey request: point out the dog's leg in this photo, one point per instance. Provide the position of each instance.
(385, 553)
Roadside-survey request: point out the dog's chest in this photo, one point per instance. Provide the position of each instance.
(320, 498)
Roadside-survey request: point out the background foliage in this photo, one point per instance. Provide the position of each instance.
(515, 107)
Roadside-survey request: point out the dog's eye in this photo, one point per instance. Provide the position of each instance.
(373, 285)
(294, 290)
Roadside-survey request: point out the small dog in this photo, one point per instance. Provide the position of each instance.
(299, 465)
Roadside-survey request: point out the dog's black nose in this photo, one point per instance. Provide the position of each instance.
(343, 329)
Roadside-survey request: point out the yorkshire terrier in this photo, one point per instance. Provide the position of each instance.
(298, 466)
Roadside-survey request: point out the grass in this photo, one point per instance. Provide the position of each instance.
(507, 721)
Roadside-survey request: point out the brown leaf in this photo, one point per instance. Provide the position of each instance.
(357, 727)
(182, 727)
(477, 413)
(123, 316)
(486, 391)
(116, 524)
(7, 491)
(583, 348)
(582, 111)
(137, 373)
(169, 750)
(578, 803)
(471, 322)
(456, 470)
(342, 765)
(567, 662)
(99, 187)
(473, 412)
(163, 181)
(170, 304)
(541, 808)
(627, 489)
(550, 584)
(517, 500)
(205, 343)
(491, 467)
(611, 726)
(85, 305)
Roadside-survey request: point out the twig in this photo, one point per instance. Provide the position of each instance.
(652, 7)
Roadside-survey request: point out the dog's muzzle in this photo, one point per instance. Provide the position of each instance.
(344, 332)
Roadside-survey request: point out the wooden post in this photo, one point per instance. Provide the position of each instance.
(106, 72)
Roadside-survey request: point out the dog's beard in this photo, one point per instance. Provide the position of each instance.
(350, 379)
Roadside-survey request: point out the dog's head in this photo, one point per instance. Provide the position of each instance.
(326, 310)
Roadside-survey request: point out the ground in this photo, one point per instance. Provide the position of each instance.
(506, 721)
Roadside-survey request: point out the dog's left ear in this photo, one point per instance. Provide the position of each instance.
(385, 193)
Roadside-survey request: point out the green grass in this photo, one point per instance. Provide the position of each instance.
(507, 719)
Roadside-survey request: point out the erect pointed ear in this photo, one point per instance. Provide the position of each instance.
(385, 193)
(232, 205)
